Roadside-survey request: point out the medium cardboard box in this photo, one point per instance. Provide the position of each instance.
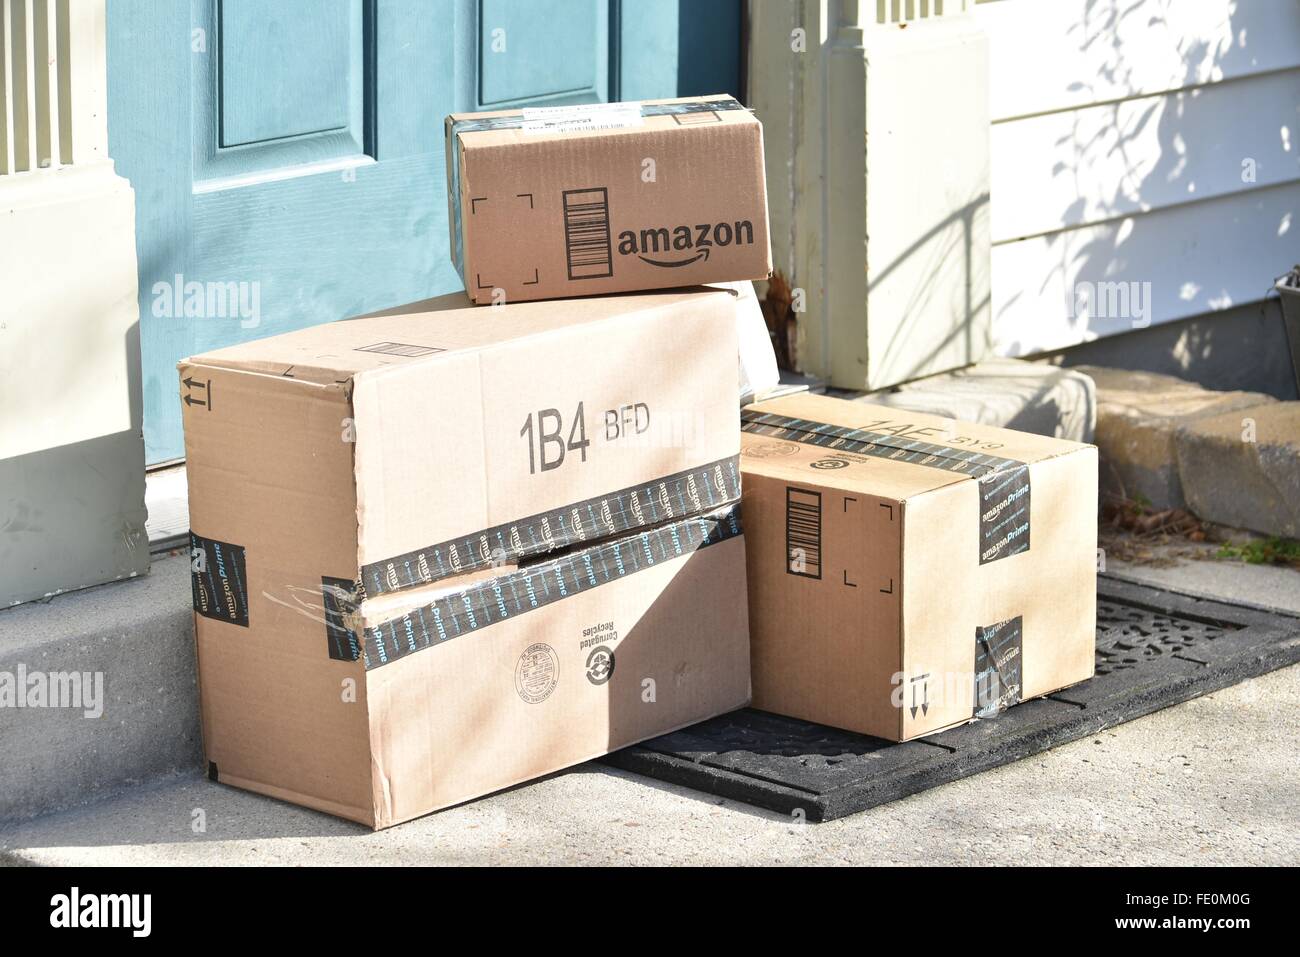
(579, 201)
(443, 550)
(907, 572)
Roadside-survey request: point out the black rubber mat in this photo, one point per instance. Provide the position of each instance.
(1154, 649)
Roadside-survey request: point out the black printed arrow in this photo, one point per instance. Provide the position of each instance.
(925, 691)
(192, 384)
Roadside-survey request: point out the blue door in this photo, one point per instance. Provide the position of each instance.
(287, 157)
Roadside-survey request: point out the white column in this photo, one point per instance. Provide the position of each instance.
(68, 312)
(52, 84)
(877, 137)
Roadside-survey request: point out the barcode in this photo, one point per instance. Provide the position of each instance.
(586, 233)
(399, 349)
(803, 532)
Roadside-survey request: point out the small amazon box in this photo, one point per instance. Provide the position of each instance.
(584, 200)
(442, 550)
(908, 572)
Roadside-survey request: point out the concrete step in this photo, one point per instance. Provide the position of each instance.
(97, 691)
(1232, 458)
(1212, 781)
(1242, 468)
(1010, 393)
(1139, 415)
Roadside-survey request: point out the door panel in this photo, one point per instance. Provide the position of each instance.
(517, 51)
(288, 159)
(691, 47)
(277, 88)
(315, 73)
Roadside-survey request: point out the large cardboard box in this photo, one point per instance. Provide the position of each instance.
(908, 572)
(578, 201)
(443, 550)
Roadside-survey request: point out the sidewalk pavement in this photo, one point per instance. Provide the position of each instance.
(1215, 780)
(1211, 781)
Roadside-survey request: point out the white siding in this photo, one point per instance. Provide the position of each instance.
(1139, 141)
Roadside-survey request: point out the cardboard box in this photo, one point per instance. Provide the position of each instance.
(443, 550)
(584, 200)
(907, 572)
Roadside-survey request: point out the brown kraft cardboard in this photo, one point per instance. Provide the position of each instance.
(907, 572)
(585, 200)
(442, 550)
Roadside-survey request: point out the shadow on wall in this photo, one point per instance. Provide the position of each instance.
(1242, 348)
(952, 240)
(1163, 184)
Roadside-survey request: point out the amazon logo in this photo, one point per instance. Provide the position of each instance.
(682, 245)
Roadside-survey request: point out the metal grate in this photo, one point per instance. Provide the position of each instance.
(1154, 649)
